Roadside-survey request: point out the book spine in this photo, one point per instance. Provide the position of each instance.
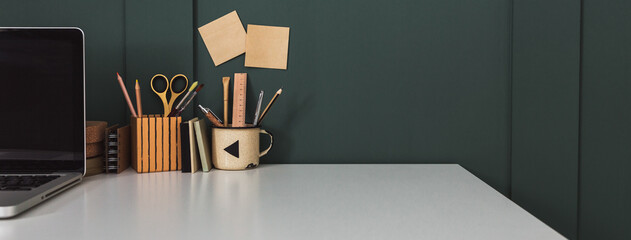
(186, 153)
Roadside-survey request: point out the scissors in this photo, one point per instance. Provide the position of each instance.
(168, 104)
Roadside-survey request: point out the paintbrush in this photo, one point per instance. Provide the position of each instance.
(178, 112)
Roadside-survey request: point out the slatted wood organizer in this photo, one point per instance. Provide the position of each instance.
(156, 144)
(238, 99)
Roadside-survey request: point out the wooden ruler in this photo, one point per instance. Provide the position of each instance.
(238, 99)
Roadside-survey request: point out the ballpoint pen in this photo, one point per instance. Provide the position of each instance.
(258, 109)
(210, 115)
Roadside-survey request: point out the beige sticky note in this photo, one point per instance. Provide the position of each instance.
(266, 47)
(224, 37)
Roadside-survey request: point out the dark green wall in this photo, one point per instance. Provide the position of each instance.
(545, 100)
(530, 96)
(103, 25)
(380, 82)
(605, 160)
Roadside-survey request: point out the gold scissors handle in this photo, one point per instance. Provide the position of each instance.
(168, 104)
(162, 95)
(174, 94)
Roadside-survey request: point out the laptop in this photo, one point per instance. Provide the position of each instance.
(42, 115)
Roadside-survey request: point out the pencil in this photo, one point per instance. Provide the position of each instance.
(269, 105)
(124, 90)
(226, 86)
(138, 101)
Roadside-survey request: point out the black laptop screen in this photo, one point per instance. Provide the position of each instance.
(42, 100)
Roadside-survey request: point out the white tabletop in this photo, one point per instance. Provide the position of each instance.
(402, 201)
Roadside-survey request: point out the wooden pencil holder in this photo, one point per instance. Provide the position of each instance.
(156, 144)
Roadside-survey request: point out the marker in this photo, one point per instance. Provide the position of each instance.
(124, 90)
(258, 109)
(269, 105)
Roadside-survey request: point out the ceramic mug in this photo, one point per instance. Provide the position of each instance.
(237, 148)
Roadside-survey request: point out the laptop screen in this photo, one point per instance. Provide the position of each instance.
(42, 100)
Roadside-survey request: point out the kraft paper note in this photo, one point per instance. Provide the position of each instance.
(266, 47)
(224, 38)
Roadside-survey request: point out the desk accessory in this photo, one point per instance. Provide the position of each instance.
(94, 166)
(224, 37)
(226, 86)
(124, 90)
(178, 112)
(237, 148)
(266, 47)
(258, 109)
(168, 103)
(269, 105)
(117, 148)
(186, 144)
(138, 101)
(211, 116)
(156, 144)
(94, 149)
(202, 145)
(193, 87)
(190, 155)
(238, 99)
(94, 137)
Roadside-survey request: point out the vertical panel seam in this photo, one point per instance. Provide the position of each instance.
(125, 56)
(580, 114)
(194, 15)
(510, 99)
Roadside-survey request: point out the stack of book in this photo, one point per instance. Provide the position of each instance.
(95, 147)
(195, 146)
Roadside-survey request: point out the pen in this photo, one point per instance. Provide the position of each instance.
(258, 109)
(138, 101)
(124, 90)
(226, 86)
(185, 96)
(211, 116)
(269, 105)
(177, 112)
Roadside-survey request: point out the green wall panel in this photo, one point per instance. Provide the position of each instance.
(159, 39)
(102, 23)
(605, 189)
(403, 81)
(546, 57)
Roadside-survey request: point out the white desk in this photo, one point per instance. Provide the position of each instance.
(403, 201)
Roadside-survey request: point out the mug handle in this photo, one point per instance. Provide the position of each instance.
(271, 141)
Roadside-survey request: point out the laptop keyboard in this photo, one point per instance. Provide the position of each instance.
(24, 182)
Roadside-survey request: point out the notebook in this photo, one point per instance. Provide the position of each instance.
(202, 144)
